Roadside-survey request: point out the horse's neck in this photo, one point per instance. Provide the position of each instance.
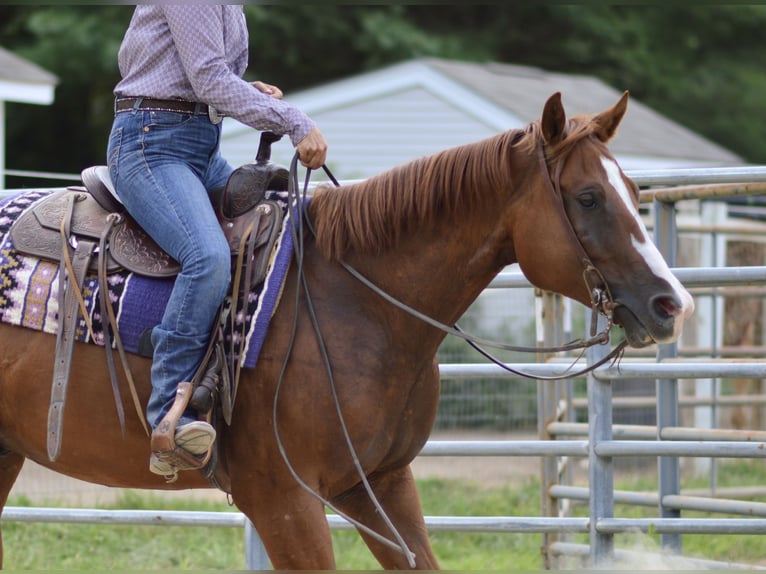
(441, 269)
(441, 272)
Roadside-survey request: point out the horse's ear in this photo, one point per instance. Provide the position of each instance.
(608, 120)
(554, 120)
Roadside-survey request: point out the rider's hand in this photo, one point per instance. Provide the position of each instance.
(268, 89)
(312, 150)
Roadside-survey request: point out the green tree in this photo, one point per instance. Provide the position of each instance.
(304, 46)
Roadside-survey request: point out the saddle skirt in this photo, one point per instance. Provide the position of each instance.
(139, 283)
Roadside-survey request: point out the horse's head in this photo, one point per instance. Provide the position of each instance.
(583, 211)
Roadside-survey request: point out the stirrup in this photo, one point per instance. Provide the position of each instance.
(167, 457)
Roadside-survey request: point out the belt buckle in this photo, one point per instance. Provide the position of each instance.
(214, 116)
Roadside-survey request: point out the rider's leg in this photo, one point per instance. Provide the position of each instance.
(162, 165)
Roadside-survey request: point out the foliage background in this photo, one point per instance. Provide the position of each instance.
(702, 65)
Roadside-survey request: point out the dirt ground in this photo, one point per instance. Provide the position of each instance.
(487, 470)
(42, 486)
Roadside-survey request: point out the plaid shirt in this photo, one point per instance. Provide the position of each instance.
(198, 52)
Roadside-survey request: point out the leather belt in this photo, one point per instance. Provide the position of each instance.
(178, 106)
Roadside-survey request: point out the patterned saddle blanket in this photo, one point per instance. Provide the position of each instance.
(29, 291)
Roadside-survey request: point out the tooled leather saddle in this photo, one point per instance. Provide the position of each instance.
(86, 229)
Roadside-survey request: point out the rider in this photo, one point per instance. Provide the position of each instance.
(181, 68)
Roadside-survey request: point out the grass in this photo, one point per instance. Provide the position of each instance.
(38, 546)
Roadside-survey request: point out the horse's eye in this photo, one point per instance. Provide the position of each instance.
(587, 200)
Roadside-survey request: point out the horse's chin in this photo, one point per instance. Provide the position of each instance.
(636, 333)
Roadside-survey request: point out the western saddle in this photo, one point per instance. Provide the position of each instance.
(86, 229)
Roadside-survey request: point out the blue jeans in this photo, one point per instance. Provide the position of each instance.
(163, 165)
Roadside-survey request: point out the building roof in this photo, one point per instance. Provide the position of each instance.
(521, 89)
(381, 118)
(23, 81)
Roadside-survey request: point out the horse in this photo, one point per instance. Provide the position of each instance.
(431, 233)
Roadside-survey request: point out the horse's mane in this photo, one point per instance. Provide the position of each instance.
(371, 216)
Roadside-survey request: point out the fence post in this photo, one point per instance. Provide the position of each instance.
(2, 144)
(255, 552)
(665, 237)
(549, 395)
(600, 468)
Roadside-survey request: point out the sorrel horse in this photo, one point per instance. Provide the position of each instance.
(432, 233)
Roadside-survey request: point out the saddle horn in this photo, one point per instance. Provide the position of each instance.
(264, 147)
(248, 184)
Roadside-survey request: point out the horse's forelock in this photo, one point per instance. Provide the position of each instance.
(371, 216)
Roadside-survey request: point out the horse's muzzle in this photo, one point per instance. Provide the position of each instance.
(660, 321)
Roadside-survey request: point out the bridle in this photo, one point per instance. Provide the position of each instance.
(601, 302)
(601, 298)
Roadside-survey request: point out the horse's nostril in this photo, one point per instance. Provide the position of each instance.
(666, 307)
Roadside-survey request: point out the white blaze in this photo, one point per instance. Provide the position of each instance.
(645, 246)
